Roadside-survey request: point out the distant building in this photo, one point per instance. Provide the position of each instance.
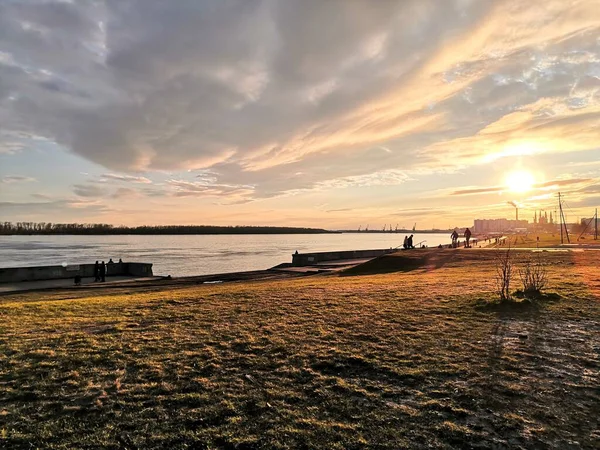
(542, 219)
(543, 222)
(498, 225)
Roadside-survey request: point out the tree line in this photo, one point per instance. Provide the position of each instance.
(48, 228)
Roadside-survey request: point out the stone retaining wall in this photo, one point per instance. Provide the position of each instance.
(308, 259)
(17, 274)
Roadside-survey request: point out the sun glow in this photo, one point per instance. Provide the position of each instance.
(520, 181)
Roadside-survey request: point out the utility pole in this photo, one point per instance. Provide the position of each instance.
(563, 221)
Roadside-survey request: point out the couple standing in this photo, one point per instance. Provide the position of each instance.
(100, 271)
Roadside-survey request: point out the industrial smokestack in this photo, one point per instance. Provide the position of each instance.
(516, 208)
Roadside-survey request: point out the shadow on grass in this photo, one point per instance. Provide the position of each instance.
(520, 304)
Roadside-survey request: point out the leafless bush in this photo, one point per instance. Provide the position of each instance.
(534, 276)
(504, 274)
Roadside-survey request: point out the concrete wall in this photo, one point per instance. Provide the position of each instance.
(139, 269)
(17, 274)
(307, 259)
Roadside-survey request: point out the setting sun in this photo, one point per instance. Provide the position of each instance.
(520, 181)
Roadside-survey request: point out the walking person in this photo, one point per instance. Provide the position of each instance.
(405, 245)
(97, 271)
(102, 272)
(467, 237)
(410, 242)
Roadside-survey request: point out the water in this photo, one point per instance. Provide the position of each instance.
(185, 255)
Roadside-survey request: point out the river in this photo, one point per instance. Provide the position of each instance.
(185, 255)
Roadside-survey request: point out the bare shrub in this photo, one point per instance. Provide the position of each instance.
(534, 275)
(504, 274)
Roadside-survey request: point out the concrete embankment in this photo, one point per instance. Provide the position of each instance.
(39, 273)
(309, 259)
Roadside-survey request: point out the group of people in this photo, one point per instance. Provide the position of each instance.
(455, 242)
(100, 269)
(408, 242)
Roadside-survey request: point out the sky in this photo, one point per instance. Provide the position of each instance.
(333, 114)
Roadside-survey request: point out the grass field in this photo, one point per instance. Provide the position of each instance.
(419, 357)
(546, 240)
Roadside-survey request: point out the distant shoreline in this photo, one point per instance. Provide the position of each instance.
(396, 231)
(43, 229)
(170, 234)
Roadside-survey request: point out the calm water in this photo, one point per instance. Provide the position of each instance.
(184, 255)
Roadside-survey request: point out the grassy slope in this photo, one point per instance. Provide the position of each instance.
(407, 359)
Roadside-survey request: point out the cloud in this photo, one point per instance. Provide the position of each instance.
(418, 212)
(182, 188)
(88, 190)
(9, 179)
(41, 196)
(58, 207)
(339, 210)
(474, 191)
(347, 93)
(563, 182)
(125, 193)
(538, 189)
(127, 178)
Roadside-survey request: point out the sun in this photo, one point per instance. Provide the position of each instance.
(520, 181)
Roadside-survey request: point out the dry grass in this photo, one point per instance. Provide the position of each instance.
(421, 358)
(546, 240)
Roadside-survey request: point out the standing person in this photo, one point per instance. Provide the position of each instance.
(467, 237)
(410, 242)
(102, 272)
(110, 270)
(405, 245)
(96, 271)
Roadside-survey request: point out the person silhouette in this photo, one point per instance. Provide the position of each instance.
(467, 237)
(102, 272)
(454, 237)
(97, 271)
